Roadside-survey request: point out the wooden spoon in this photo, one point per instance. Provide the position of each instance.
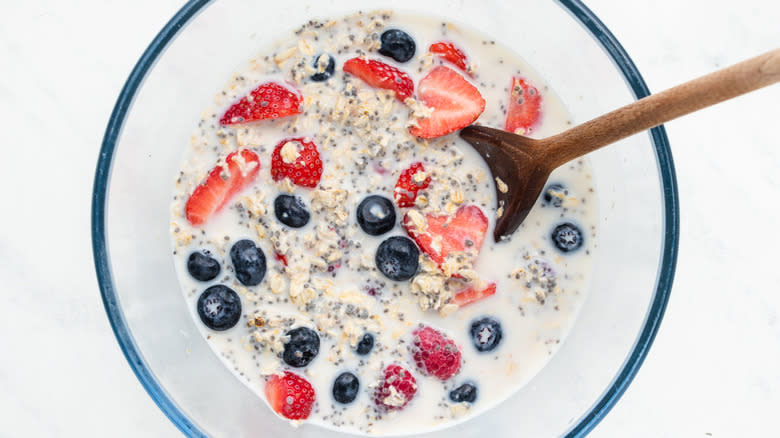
(524, 164)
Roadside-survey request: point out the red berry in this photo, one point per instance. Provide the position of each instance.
(406, 188)
(473, 294)
(221, 186)
(463, 232)
(455, 103)
(290, 395)
(450, 52)
(380, 75)
(524, 109)
(303, 166)
(396, 389)
(435, 354)
(281, 257)
(267, 101)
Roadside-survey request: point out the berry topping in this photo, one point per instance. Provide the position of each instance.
(365, 344)
(439, 235)
(325, 66)
(486, 334)
(412, 180)
(281, 257)
(397, 44)
(267, 101)
(219, 307)
(202, 266)
(450, 53)
(473, 294)
(302, 348)
(435, 354)
(380, 75)
(376, 215)
(345, 387)
(248, 262)
(464, 393)
(221, 185)
(396, 388)
(290, 395)
(454, 101)
(297, 159)
(567, 237)
(397, 258)
(291, 211)
(524, 107)
(554, 195)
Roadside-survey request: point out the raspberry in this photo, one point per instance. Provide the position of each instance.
(396, 388)
(435, 354)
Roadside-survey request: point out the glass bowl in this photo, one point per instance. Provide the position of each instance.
(198, 50)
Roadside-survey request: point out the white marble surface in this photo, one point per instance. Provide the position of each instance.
(714, 368)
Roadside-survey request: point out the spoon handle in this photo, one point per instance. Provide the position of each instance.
(656, 109)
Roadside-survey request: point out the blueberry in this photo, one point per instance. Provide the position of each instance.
(345, 387)
(202, 266)
(486, 333)
(567, 237)
(397, 258)
(324, 65)
(219, 307)
(552, 194)
(302, 348)
(291, 211)
(464, 393)
(397, 44)
(365, 344)
(376, 215)
(248, 262)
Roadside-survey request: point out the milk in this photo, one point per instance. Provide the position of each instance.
(533, 324)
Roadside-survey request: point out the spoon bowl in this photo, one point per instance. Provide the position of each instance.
(519, 170)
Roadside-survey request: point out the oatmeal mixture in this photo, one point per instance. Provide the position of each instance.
(333, 234)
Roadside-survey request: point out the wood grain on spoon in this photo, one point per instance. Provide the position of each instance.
(524, 164)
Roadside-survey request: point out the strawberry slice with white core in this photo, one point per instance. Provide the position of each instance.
(474, 294)
(525, 107)
(221, 185)
(439, 235)
(454, 102)
(381, 75)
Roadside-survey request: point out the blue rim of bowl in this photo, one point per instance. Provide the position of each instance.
(102, 265)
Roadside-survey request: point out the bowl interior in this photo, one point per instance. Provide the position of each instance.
(139, 281)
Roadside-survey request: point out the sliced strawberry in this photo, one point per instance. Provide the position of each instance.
(297, 159)
(409, 184)
(290, 396)
(380, 75)
(443, 234)
(267, 101)
(455, 103)
(281, 257)
(451, 53)
(473, 294)
(524, 108)
(221, 185)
